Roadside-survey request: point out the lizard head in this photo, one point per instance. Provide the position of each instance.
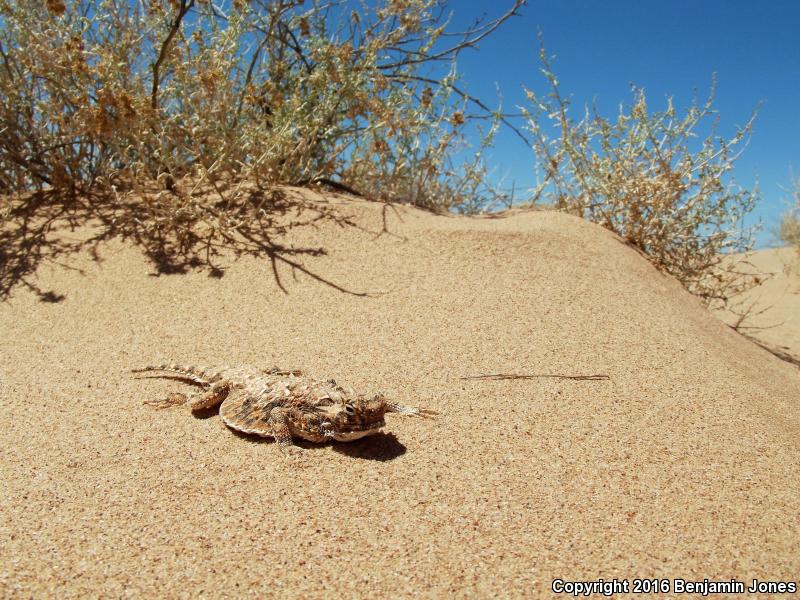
(357, 417)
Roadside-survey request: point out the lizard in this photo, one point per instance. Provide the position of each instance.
(283, 404)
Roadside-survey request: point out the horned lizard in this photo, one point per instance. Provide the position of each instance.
(284, 404)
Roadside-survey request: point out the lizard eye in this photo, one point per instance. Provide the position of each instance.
(349, 409)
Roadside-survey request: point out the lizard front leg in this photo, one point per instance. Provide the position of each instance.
(402, 409)
(280, 425)
(286, 423)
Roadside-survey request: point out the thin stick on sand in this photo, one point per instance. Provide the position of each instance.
(504, 376)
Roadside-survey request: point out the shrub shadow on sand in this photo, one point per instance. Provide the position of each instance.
(48, 225)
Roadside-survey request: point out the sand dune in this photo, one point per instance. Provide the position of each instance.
(772, 309)
(684, 463)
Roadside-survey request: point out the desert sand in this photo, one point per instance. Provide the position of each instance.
(771, 310)
(683, 463)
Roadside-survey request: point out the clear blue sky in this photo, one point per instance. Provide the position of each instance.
(670, 49)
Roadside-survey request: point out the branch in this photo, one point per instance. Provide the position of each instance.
(249, 76)
(5, 62)
(489, 28)
(186, 5)
(466, 96)
(503, 376)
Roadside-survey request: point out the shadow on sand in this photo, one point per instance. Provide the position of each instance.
(380, 446)
(36, 227)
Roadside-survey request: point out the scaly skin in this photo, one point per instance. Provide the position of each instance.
(284, 404)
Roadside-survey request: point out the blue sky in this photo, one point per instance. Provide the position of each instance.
(668, 48)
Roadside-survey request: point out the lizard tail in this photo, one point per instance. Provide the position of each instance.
(201, 375)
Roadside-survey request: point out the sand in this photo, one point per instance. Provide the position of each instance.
(772, 309)
(684, 463)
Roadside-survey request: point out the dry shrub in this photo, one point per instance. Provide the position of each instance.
(98, 94)
(648, 177)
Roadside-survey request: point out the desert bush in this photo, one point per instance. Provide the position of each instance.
(101, 94)
(790, 223)
(647, 176)
(172, 123)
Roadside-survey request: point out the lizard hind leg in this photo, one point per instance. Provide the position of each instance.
(210, 397)
(174, 399)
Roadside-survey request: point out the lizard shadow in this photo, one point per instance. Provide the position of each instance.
(250, 437)
(258, 439)
(379, 446)
(206, 413)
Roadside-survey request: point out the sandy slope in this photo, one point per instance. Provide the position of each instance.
(773, 308)
(686, 463)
